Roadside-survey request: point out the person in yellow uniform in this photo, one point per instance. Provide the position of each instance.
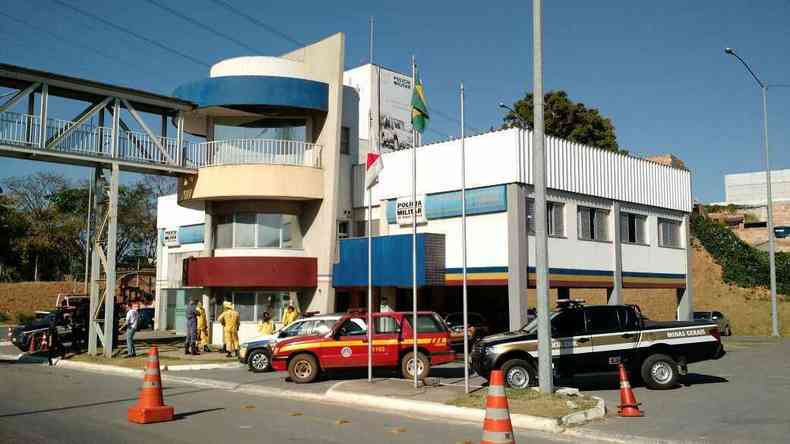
(202, 326)
(291, 314)
(266, 325)
(230, 326)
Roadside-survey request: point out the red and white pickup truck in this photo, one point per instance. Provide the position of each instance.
(346, 346)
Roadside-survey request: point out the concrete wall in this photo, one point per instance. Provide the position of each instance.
(749, 188)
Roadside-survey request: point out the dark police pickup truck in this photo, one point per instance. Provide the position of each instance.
(596, 338)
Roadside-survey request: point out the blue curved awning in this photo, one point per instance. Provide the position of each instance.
(256, 90)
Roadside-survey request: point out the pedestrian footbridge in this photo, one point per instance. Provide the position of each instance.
(121, 127)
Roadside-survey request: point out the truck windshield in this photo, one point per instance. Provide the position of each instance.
(532, 326)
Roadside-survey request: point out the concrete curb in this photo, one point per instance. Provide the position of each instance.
(335, 395)
(519, 421)
(599, 411)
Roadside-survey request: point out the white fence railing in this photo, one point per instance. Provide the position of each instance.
(253, 151)
(90, 140)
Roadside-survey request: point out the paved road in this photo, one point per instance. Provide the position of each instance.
(39, 404)
(743, 397)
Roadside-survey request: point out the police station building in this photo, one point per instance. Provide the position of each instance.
(277, 211)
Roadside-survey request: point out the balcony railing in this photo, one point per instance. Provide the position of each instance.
(253, 151)
(96, 141)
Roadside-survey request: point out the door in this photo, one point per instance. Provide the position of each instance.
(570, 345)
(386, 336)
(349, 347)
(614, 336)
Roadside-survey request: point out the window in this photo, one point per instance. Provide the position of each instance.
(251, 304)
(427, 323)
(244, 230)
(261, 230)
(361, 228)
(568, 323)
(555, 218)
(632, 228)
(268, 231)
(628, 319)
(387, 325)
(345, 140)
(253, 127)
(298, 328)
(668, 233)
(593, 223)
(351, 328)
(342, 229)
(602, 320)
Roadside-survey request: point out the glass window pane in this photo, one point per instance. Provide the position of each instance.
(268, 230)
(585, 227)
(427, 323)
(639, 230)
(291, 232)
(556, 219)
(224, 232)
(568, 323)
(601, 224)
(624, 227)
(244, 234)
(387, 325)
(602, 320)
(273, 302)
(245, 305)
(531, 216)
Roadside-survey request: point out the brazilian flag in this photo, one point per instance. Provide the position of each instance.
(419, 108)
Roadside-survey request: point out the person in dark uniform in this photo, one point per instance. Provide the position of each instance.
(192, 330)
(53, 341)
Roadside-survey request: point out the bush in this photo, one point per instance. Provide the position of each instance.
(25, 317)
(741, 264)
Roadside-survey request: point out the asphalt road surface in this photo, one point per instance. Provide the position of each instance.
(39, 404)
(742, 397)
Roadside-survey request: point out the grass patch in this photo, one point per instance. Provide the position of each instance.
(531, 402)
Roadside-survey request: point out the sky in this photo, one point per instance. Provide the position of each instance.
(657, 69)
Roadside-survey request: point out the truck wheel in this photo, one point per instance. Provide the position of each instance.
(407, 365)
(259, 361)
(303, 369)
(519, 374)
(660, 372)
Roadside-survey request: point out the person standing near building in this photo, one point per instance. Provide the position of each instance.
(291, 314)
(202, 327)
(230, 325)
(190, 347)
(266, 325)
(53, 341)
(132, 318)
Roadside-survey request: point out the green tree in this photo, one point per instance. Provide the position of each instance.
(567, 120)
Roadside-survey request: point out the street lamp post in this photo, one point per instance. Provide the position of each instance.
(769, 198)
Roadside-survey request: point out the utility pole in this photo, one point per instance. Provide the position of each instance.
(541, 238)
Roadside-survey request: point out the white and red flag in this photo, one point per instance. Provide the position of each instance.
(374, 166)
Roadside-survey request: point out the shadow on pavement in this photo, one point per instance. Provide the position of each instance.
(696, 378)
(96, 404)
(185, 415)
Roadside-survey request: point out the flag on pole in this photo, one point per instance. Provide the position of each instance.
(419, 107)
(374, 166)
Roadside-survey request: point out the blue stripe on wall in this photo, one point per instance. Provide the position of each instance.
(445, 205)
(256, 90)
(190, 234)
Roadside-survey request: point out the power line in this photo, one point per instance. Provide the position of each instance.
(131, 33)
(263, 25)
(452, 119)
(202, 25)
(64, 39)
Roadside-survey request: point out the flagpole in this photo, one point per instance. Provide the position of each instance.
(414, 228)
(463, 245)
(370, 226)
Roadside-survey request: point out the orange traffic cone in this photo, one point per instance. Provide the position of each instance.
(151, 407)
(44, 342)
(497, 428)
(32, 347)
(628, 407)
